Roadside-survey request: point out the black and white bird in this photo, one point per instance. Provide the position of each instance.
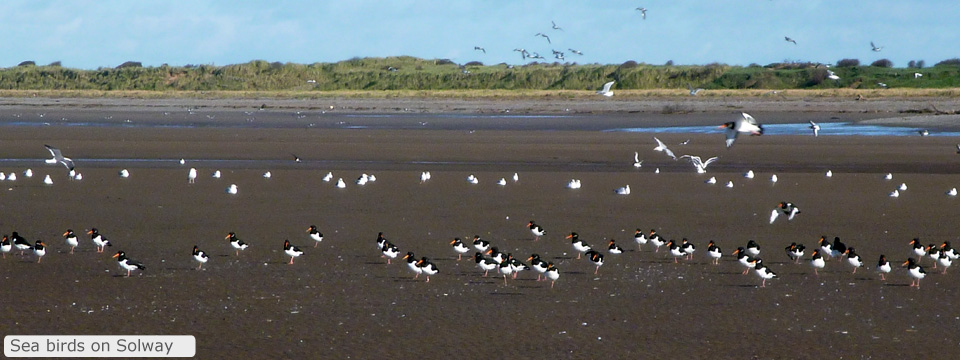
(714, 252)
(763, 272)
(578, 244)
(99, 240)
(71, 239)
(578, 52)
(815, 127)
(883, 267)
(555, 27)
(315, 234)
(477, 48)
(485, 263)
(643, 12)
(20, 243)
(427, 268)
(744, 259)
(128, 264)
(536, 230)
(613, 248)
(918, 249)
(694, 91)
(676, 250)
(826, 248)
(853, 259)
(290, 250)
(753, 249)
(412, 264)
(816, 260)
(784, 208)
(390, 251)
(59, 158)
(480, 244)
(795, 251)
(5, 246)
(596, 258)
(640, 239)
(744, 124)
(199, 256)
(236, 243)
(553, 274)
(788, 39)
(944, 261)
(656, 240)
(915, 271)
(39, 250)
(839, 248)
(877, 49)
(459, 247)
(688, 248)
(538, 264)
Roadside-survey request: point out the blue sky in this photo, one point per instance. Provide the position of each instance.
(91, 34)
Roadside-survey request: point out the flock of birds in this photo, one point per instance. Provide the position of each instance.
(490, 258)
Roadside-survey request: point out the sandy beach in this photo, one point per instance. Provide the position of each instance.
(342, 300)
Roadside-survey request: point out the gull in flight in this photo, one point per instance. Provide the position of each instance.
(663, 147)
(784, 208)
(694, 91)
(788, 39)
(700, 164)
(523, 53)
(636, 160)
(606, 89)
(544, 36)
(58, 158)
(832, 76)
(745, 124)
(815, 127)
(875, 47)
(480, 49)
(555, 27)
(643, 12)
(578, 52)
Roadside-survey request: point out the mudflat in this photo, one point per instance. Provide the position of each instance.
(341, 299)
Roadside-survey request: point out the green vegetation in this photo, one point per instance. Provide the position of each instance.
(408, 73)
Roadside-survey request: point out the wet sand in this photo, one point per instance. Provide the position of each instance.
(341, 299)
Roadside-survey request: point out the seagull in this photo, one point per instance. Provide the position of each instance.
(625, 190)
(829, 173)
(903, 187)
(575, 51)
(917, 75)
(749, 174)
(636, 160)
(952, 192)
(883, 85)
(573, 184)
(232, 190)
(663, 147)
(729, 184)
(192, 176)
(328, 176)
(472, 179)
(745, 124)
(895, 193)
(516, 177)
(59, 158)
(544, 36)
(773, 178)
(555, 27)
(700, 164)
(788, 39)
(341, 184)
(216, 174)
(784, 208)
(875, 47)
(267, 175)
(480, 49)
(923, 132)
(832, 76)
(643, 12)
(815, 127)
(29, 172)
(124, 173)
(606, 89)
(694, 91)
(47, 180)
(502, 182)
(712, 180)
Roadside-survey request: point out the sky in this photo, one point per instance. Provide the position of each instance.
(92, 34)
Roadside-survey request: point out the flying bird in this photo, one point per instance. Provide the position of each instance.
(578, 52)
(643, 12)
(832, 76)
(875, 47)
(544, 36)
(815, 127)
(663, 148)
(59, 158)
(788, 39)
(480, 49)
(606, 89)
(785, 208)
(555, 27)
(694, 91)
(699, 163)
(636, 160)
(744, 124)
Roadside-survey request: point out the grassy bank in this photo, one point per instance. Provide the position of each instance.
(407, 76)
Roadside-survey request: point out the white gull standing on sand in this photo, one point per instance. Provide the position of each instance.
(232, 190)
(192, 176)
